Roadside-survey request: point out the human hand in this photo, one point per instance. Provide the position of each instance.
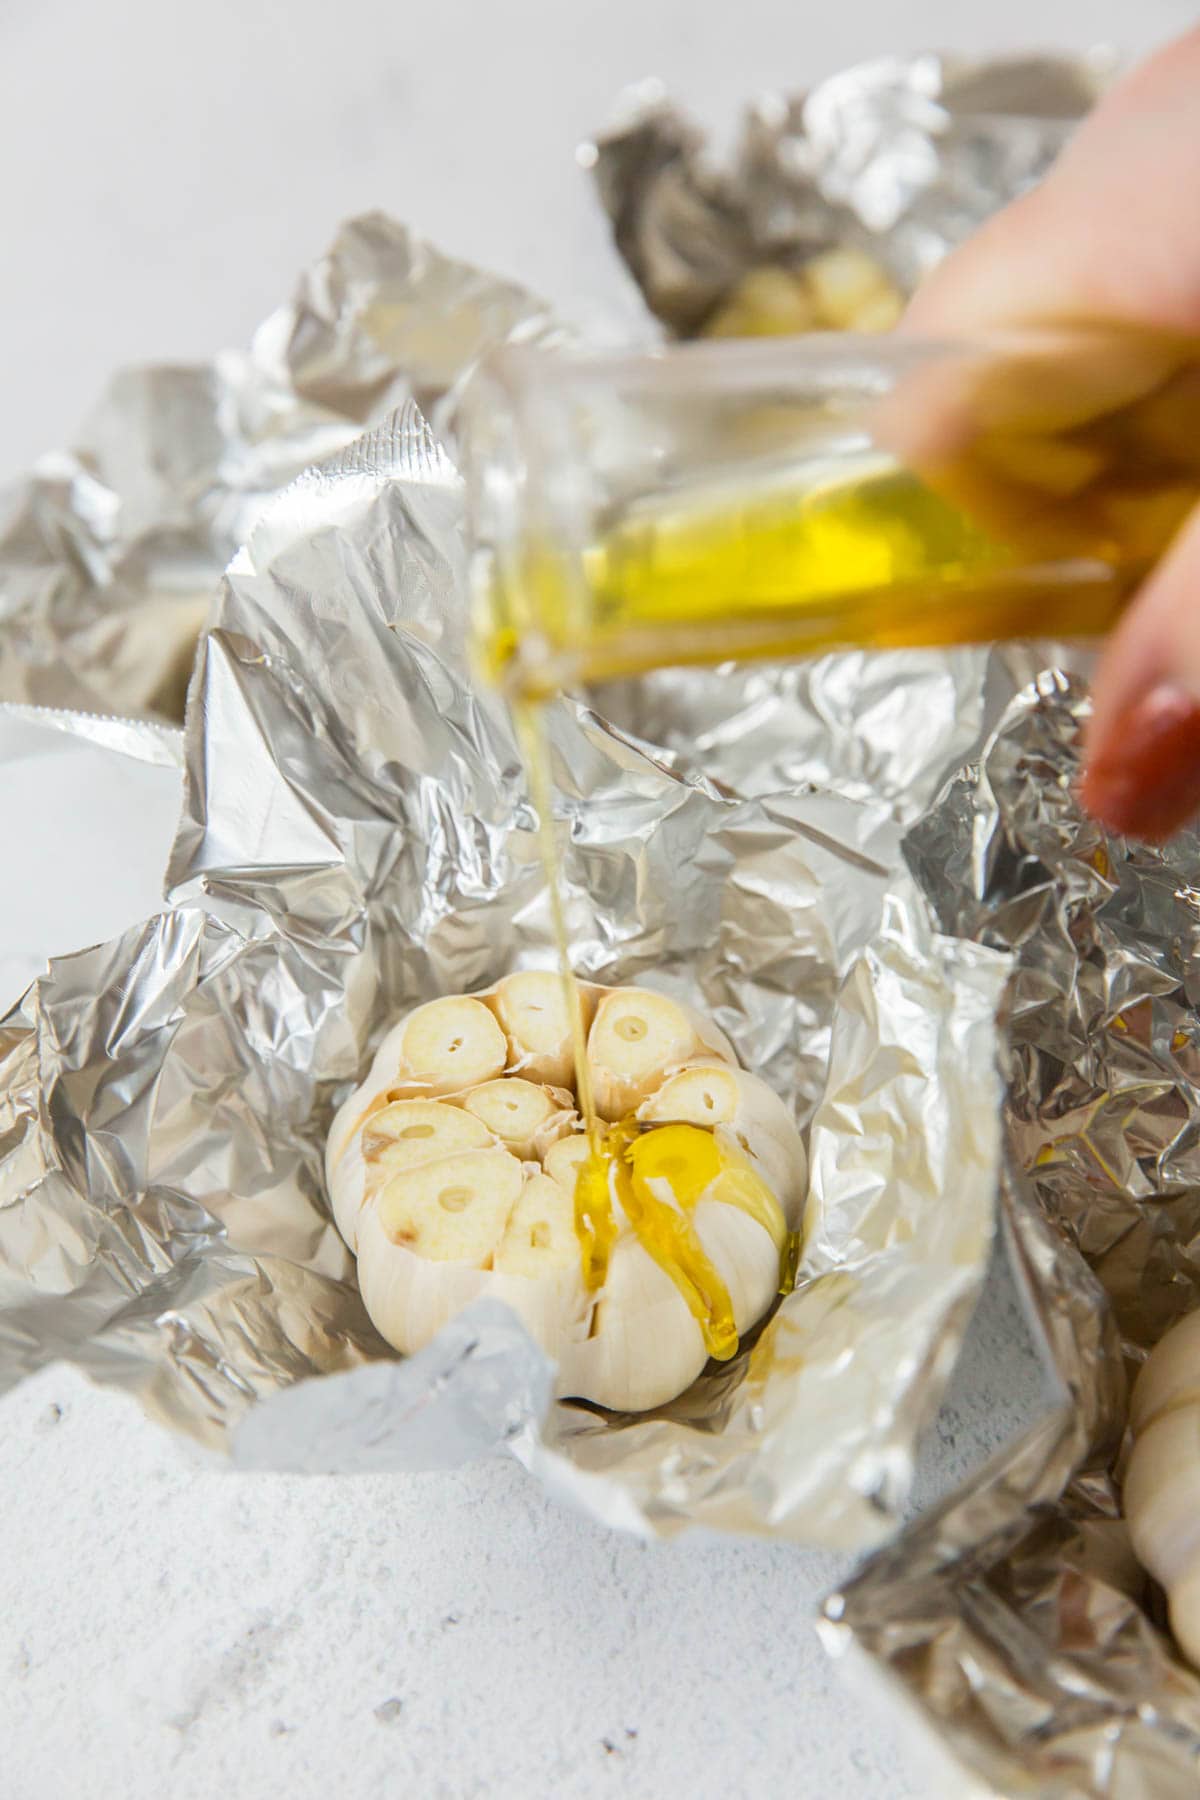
(1112, 238)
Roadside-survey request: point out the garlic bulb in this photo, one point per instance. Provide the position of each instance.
(452, 1173)
(842, 289)
(1162, 1479)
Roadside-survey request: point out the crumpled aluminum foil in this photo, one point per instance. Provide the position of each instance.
(903, 156)
(1016, 1618)
(110, 553)
(357, 838)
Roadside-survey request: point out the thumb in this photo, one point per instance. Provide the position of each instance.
(1142, 750)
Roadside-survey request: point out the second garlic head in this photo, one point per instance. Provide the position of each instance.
(1162, 1478)
(450, 1190)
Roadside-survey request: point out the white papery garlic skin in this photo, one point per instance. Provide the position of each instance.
(1162, 1478)
(450, 1189)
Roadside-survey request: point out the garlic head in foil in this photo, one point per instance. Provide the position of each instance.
(453, 1169)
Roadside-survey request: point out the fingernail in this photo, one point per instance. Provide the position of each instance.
(1145, 779)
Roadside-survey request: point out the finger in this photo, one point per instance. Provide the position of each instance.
(1142, 750)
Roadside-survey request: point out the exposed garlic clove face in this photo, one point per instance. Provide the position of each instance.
(540, 1235)
(637, 1037)
(645, 1347)
(749, 1119)
(451, 1044)
(519, 1112)
(564, 1159)
(1162, 1494)
(532, 1009)
(454, 1210)
(397, 1137)
(409, 1132)
(1170, 1376)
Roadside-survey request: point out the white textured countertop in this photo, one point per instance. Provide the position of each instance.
(167, 1626)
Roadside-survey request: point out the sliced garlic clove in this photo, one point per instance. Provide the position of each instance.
(532, 1008)
(397, 1137)
(540, 1234)
(564, 1159)
(519, 1112)
(449, 1045)
(1170, 1376)
(454, 1210)
(409, 1132)
(637, 1038)
(748, 1117)
(645, 1347)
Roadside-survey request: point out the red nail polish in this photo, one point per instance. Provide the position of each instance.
(1145, 780)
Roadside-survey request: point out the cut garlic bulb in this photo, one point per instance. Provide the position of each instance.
(1162, 1477)
(449, 1190)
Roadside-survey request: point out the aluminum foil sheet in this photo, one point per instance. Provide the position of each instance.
(1016, 1619)
(110, 553)
(357, 838)
(903, 157)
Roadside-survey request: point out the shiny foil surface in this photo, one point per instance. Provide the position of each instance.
(110, 553)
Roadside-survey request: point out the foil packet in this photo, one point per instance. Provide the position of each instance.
(902, 157)
(110, 552)
(1016, 1618)
(357, 838)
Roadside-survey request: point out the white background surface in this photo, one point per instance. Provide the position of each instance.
(170, 1628)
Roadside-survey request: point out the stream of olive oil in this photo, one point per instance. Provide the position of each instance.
(627, 1168)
